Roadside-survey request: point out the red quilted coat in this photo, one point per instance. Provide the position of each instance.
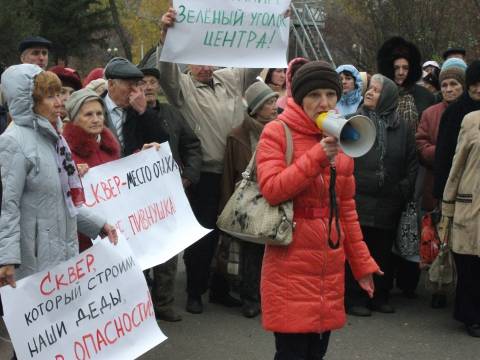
(86, 150)
(302, 285)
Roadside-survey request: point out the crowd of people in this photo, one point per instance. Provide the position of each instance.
(55, 127)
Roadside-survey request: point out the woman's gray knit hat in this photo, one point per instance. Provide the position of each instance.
(78, 98)
(257, 94)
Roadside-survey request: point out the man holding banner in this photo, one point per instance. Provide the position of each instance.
(211, 101)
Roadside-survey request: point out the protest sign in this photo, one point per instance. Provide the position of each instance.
(94, 306)
(237, 33)
(142, 195)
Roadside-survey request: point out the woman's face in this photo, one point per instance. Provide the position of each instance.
(268, 111)
(348, 82)
(278, 77)
(474, 91)
(451, 90)
(50, 107)
(318, 101)
(90, 118)
(373, 95)
(65, 94)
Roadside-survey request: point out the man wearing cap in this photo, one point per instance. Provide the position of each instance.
(187, 152)
(241, 144)
(34, 50)
(126, 106)
(455, 52)
(211, 102)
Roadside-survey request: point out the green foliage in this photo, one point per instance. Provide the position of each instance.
(72, 26)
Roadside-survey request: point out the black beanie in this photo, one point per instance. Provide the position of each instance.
(315, 75)
(472, 75)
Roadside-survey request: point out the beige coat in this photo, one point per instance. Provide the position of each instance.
(461, 198)
(211, 112)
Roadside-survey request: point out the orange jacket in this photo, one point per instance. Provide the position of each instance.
(302, 285)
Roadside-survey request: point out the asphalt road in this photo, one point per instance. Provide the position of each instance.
(415, 331)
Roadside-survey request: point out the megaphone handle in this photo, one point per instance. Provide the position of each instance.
(333, 209)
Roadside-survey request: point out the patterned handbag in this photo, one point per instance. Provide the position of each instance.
(248, 216)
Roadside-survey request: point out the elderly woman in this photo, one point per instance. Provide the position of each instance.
(90, 141)
(302, 284)
(385, 179)
(42, 194)
(241, 144)
(352, 85)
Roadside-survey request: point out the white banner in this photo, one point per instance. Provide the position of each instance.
(236, 33)
(142, 195)
(94, 306)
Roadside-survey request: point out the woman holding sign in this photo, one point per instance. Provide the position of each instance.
(303, 283)
(42, 194)
(91, 142)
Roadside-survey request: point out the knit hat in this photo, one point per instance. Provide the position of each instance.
(257, 94)
(453, 68)
(315, 75)
(69, 77)
(472, 76)
(78, 98)
(430, 63)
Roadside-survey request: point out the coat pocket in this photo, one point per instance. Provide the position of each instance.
(464, 213)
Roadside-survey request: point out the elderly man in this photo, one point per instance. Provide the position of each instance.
(187, 152)
(211, 102)
(34, 50)
(126, 106)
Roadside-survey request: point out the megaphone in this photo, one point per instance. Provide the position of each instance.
(356, 135)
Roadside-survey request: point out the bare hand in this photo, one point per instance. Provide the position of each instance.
(137, 100)
(82, 169)
(168, 20)
(331, 147)
(367, 284)
(151, 145)
(186, 183)
(7, 275)
(110, 232)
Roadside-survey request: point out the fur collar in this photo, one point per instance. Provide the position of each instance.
(84, 145)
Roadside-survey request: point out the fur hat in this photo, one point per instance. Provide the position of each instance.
(472, 75)
(315, 75)
(453, 68)
(398, 48)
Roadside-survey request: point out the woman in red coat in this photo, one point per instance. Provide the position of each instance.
(90, 141)
(302, 286)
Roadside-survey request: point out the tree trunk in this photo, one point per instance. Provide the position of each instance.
(119, 30)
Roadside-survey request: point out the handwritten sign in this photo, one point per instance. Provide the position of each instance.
(94, 306)
(143, 196)
(237, 33)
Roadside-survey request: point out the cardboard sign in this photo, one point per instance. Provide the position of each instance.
(236, 33)
(143, 196)
(94, 306)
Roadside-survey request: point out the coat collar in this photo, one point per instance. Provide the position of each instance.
(85, 145)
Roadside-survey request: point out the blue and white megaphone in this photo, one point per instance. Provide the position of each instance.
(355, 135)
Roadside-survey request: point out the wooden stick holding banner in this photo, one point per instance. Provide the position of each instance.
(94, 306)
(143, 196)
(234, 33)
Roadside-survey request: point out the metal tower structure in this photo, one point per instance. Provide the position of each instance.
(307, 24)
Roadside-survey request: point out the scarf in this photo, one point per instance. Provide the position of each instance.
(407, 109)
(384, 116)
(70, 181)
(254, 128)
